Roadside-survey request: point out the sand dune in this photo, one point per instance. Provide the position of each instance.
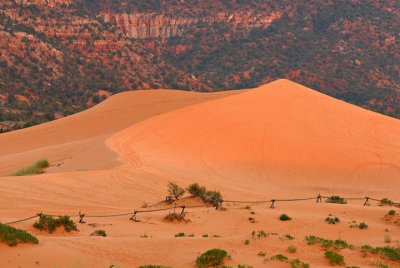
(278, 140)
(70, 141)
(281, 134)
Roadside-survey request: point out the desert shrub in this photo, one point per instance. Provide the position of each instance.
(246, 242)
(386, 202)
(99, 233)
(292, 249)
(262, 253)
(296, 263)
(213, 197)
(211, 258)
(336, 199)
(35, 168)
(288, 237)
(196, 190)
(334, 258)
(180, 235)
(392, 212)
(173, 216)
(205, 235)
(284, 217)
(49, 223)
(332, 219)
(378, 264)
(392, 253)
(175, 190)
(387, 238)
(336, 244)
(363, 225)
(279, 257)
(12, 236)
(252, 220)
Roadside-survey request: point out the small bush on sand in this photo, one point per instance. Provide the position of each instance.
(175, 190)
(12, 236)
(173, 216)
(262, 254)
(392, 212)
(279, 257)
(296, 263)
(392, 253)
(49, 223)
(211, 258)
(363, 225)
(213, 197)
(35, 168)
(180, 235)
(291, 249)
(99, 233)
(332, 219)
(386, 202)
(196, 190)
(285, 217)
(334, 258)
(336, 200)
(336, 244)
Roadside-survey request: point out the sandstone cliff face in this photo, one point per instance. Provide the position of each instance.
(151, 25)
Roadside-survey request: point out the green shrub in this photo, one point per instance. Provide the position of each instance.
(175, 190)
(180, 235)
(252, 220)
(332, 220)
(211, 258)
(35, 168)
(363, 225)
(392, 212)
(246, 242)
(336, 199)
(284, 217)
(196, 190)
(213, 197)
(386, 202)
(100, 233)
(49, 223)
(336, 244)
(296, 263)
(279, 257)
(334, 258)
(12, 236)
(292, 249)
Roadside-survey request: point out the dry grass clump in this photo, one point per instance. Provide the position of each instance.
(175, 217)
(35, 168)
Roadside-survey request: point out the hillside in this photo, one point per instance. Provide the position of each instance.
(56, 59)
(280, 140)
(346, 49)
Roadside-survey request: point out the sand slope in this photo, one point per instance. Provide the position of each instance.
(277, 141)
(77, 141)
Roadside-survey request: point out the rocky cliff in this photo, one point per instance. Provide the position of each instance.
(153, 25)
